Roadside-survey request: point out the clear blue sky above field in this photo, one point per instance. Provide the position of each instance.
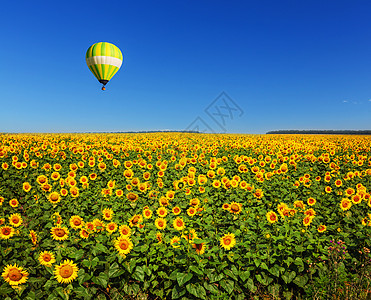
(215, 66)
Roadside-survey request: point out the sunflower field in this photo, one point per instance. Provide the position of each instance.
(184, 216)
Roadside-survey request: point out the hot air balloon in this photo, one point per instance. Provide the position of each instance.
(104, 60)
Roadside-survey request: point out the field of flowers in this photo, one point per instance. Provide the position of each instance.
(183, 216)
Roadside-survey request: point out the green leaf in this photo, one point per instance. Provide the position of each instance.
(139, 273)
(251, 286)
(230, 274)
(299, 262)
(228, 285)
(196, 290)
(115, 270)
(301, 280)
(191, 289)
(196, 270)
(177, 292)
(82, 292)
(244, 275)
(101, 280)
(5, 289)
(182, 278)
(211, 287)
(216, 277)
(274, 271)
(288, 276)
(78, 254)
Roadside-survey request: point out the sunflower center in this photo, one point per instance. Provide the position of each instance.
(273, 217)
(54, 197)
(6, 231)
(160, 223)
(59, 232)
(179, 223)
(131, 197)
(15, 275)
(235, 207)
(124, 245)
(66, 271)
(77, 222)
(227, 241)
(199, 247)
(47, 257)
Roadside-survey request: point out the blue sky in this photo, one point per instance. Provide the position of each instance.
(216, 66)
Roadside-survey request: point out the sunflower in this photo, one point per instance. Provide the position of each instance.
(119, 193)
(6, 232)
(356, 199)
(226, 206)
(307, 220)
(178, 224)
(175, 242)
(42, 179)
(111, 227)
(66, 272)
(26, 186)
(59, 233)
(125, 230)
(176, 210)
(349, 191)
(123, 245)
(311, 201)
(160, 223)
(310, 212)
(272, 217)
(132, 197)
(216, 183)
(54, 198)
(13, 203)
(228, 241)
(15, 220)
(107, 214)
(200, 248)
(159, 237)
(258, 194)
(345, 204)
(33, 236)
(191, 211)
(195, 202)
(299, 204)
(74, 191)
(135, 220)
(76, 222)
(84, 234)
(235, 208)
(321, 228)
(328, 189)
(84, 180)
(98, 225)
(55, 176)
(163, 201)
(46, 258)
(162, 211)
(14, 275)
(147, 213)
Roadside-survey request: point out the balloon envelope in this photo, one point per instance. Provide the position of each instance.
(104, 60)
